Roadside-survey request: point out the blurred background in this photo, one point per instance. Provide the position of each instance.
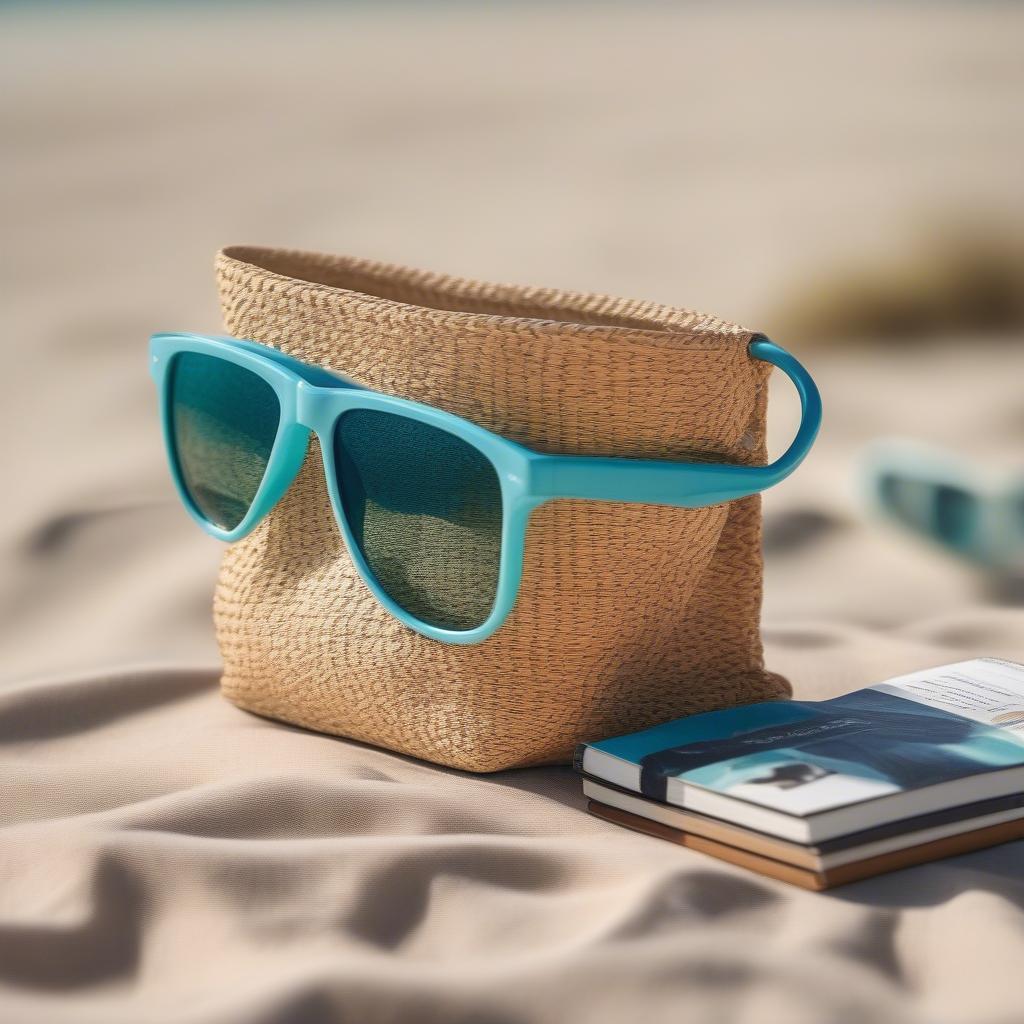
(845, 177)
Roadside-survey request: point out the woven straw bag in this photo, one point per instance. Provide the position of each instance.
(628, 615)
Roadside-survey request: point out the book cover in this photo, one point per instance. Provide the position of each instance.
(802, 758)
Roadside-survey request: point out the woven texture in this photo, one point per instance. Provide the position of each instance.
(627, 615)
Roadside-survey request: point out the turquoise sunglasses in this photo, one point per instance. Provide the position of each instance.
(962, 507)
(433, 508)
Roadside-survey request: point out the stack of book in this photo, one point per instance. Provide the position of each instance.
(820, 793)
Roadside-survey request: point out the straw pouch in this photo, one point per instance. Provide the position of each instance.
(628, 615)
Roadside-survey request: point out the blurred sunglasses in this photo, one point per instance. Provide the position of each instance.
(433, 509)
(949, 501)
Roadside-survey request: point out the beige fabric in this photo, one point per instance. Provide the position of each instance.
(166, 858)
(627, 614)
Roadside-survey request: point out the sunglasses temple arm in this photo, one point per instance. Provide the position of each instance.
(810, 410)
(684, 484)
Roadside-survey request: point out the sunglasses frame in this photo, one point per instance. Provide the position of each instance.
(312, 399)
(996, 535)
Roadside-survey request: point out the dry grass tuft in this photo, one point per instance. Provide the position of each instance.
(958, 281)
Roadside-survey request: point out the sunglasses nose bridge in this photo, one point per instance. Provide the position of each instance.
(315, 407)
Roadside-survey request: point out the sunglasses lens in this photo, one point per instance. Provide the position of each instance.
(955, 515)
(907, 499)
(424, 508)
(943, 511)
(224, 419)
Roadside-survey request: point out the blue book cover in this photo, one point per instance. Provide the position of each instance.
(805, 757)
